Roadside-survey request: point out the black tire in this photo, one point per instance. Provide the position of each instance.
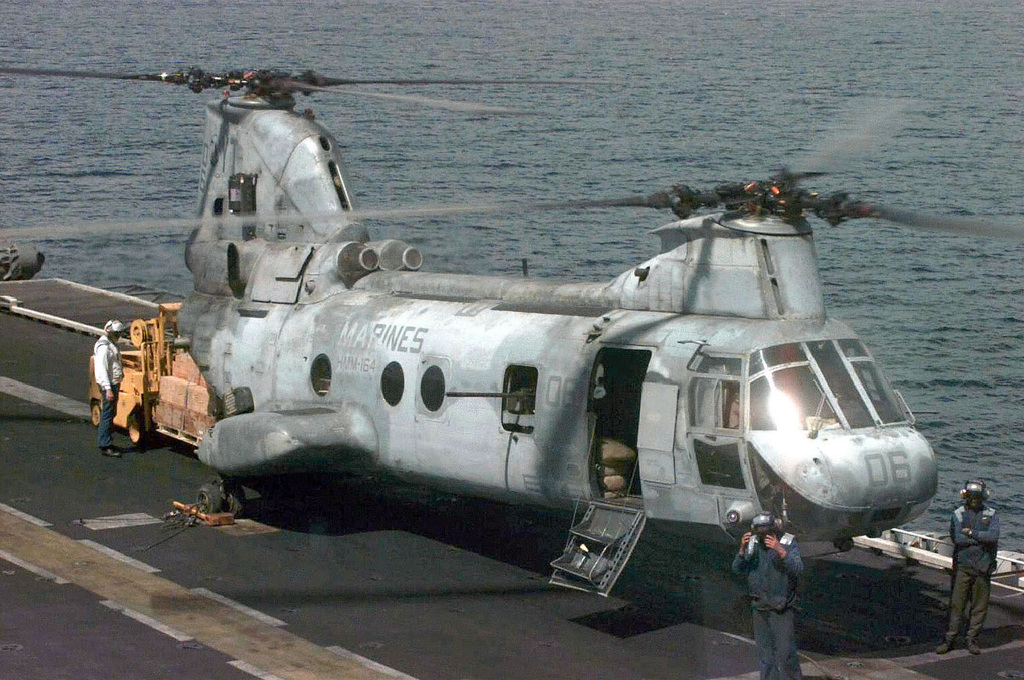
(234, 497)
(210, 497)
(95, 409)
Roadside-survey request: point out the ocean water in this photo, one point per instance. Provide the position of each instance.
(697, 92)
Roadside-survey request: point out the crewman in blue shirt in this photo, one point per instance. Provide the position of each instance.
(771, 561)
(974, 528)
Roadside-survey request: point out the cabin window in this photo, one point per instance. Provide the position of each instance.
(392, 383)
(320, 374)
(432, 388)
(520, 398)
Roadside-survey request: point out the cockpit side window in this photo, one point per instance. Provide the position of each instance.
(879, 391)
(715, 403)
(714, 398)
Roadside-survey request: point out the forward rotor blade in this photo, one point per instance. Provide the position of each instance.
(60, 73)
(865, 128)
(968, 226)
(323, 80)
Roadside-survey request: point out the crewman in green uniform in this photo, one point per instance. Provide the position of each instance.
(974, 528)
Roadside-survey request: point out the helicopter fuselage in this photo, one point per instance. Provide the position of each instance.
(706, 384)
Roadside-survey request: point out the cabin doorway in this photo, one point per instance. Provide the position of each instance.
(615, 392)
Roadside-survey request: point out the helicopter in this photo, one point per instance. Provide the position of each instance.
(694, 390)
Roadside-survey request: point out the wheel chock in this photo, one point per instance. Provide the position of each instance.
(211, 519)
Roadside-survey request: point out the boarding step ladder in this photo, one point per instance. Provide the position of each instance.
(599, 547)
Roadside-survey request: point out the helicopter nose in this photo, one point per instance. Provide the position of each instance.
(843, 483)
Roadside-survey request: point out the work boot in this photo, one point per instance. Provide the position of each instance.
(972, 647)
(944, 647)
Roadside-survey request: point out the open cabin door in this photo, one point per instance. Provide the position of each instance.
(599, 547)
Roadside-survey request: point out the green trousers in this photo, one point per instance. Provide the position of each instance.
(969, 599)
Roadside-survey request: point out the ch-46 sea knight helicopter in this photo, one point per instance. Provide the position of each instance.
(693, 390)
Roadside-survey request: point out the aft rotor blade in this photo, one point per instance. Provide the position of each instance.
(70, 230)
(507, 207)
(412, 99)
(183, 225)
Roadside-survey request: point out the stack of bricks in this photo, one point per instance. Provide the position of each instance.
(186, 401)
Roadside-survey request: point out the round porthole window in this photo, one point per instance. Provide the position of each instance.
(392, 383)
(432, 388)
(320, 374)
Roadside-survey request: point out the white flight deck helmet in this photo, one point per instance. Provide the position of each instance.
(114, 326)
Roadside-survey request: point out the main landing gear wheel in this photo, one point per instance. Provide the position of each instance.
(210, 497)
(220, 496)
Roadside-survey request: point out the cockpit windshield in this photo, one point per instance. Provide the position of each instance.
(819, 385)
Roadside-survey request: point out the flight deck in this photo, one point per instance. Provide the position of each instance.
(362, 578)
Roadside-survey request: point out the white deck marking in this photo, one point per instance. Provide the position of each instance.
(120, 557)
(369, 663)
(38, 571)
(147, 620)
(50, 400)
(134, 519)
(28, 518)
(253, 670)
(932, 657)
(258, 615)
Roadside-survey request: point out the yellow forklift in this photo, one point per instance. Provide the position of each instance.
(162, 389)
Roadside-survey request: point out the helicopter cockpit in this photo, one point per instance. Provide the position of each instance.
(811, 429)
(818, 385)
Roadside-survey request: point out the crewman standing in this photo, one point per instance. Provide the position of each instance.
(974, 528)
(108, 372)
(771, 561)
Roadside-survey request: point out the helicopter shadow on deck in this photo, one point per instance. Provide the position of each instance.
(853, 603)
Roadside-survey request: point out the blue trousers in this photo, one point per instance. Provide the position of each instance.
(105, 431)
(776, 645)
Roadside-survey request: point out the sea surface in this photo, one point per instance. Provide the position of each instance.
(697, 93)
